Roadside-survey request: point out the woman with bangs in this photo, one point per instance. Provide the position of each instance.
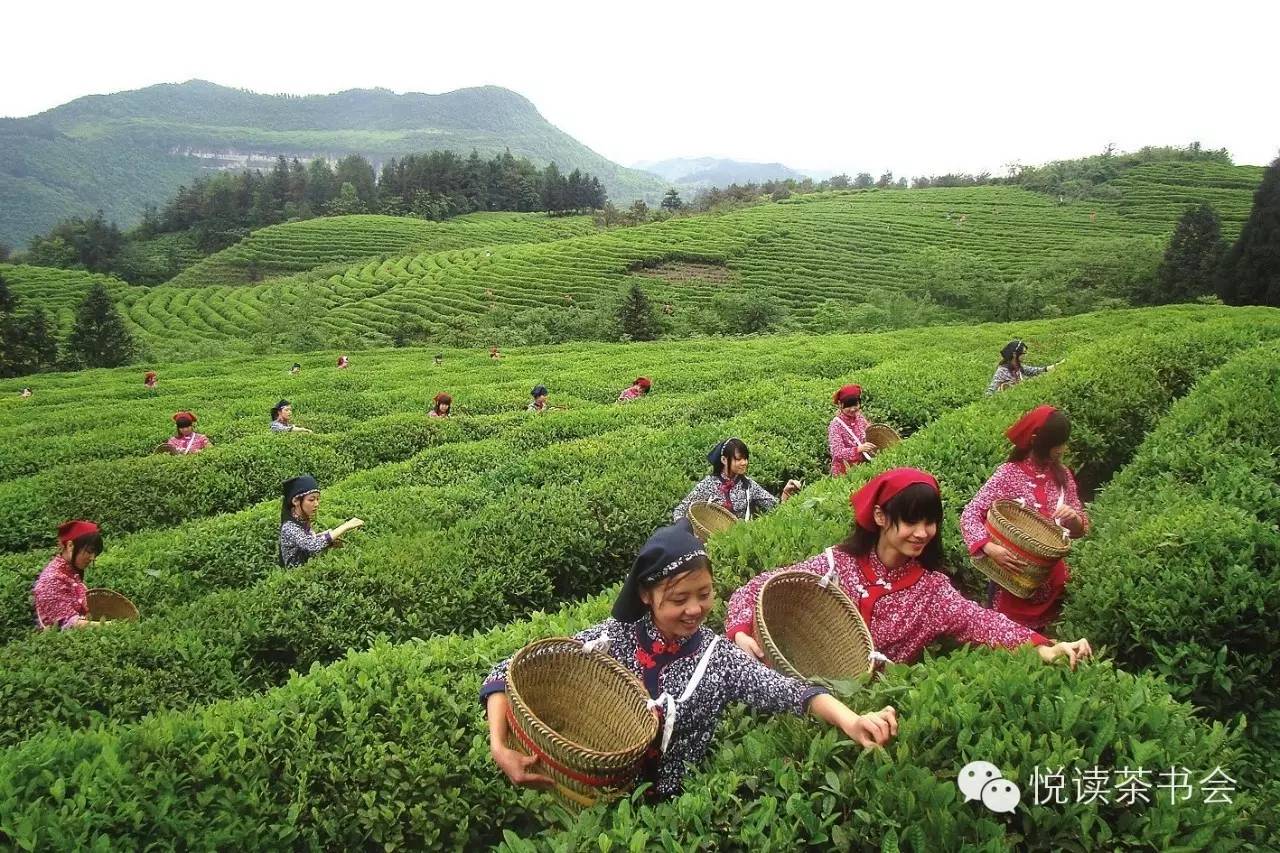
(890, 566)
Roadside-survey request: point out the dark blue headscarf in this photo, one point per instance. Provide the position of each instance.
(671, 550)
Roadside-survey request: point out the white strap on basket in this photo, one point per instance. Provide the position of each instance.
(876, 657)
(831, 574)
(669, 703)
(599, 644)
(854, 436)
(1066, 534)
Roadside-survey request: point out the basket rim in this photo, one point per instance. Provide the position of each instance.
(714, 508)
(513, 695)
(787, 576)
(1029, 527)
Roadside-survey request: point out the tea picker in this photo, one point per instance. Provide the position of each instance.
(1020, 524)
(890, 567)
(639, 696)
(729, 486)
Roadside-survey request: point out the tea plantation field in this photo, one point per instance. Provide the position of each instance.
(334, 706)
(817, 254)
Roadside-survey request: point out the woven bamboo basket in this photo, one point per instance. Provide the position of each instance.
(810, 631)
(1029, 535)
(582, 714)
(163, 447)
(708, 519)
(882, 436)
(109, 606)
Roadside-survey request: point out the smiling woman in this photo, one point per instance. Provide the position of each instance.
(890, 567)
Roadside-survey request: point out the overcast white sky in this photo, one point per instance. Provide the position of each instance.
(909, 86)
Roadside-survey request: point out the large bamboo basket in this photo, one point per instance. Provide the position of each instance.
(1029, 535)
(163, 447)
(708, 519)
(109, 606)
(882, 436)
(582, 714)
(810, 631)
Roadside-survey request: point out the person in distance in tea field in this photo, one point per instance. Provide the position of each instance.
(442, 404)
(847, 433)
(657, 633)
(494, 354)
(26, 392)
(539, 402)
(343, 362)
(296, 369)
(282, 418)
(149, 379)
(889, 566)
(729, 486)
(439, 359)
(1035, 477)
(187, 440)
(60, 593)
(297, 513)
(637, 390)
(1011, 370)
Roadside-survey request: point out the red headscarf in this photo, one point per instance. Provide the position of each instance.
(1024, 431)
(881, 489)
(69, 530)
(644, 383)
(191, 416)
(846, 392)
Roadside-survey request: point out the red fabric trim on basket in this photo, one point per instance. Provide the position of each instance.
(1038, 559)
(594, 781)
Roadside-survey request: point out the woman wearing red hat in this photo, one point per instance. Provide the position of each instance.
(442, 404)
(60, 594)
(637, 390)
(847, 434)
(1034, 475)
(889, 566)
(187, 440)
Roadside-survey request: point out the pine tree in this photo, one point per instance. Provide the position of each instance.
(671, 201)
(99, 337)
(1192, 259)
(1250, 271)
(41, 340)
(636, 316)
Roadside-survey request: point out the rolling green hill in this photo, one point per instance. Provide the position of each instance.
(119, 152)
(295, 247)
(824, 257)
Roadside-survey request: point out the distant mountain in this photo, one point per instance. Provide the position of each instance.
(120, 152)
(697, 172)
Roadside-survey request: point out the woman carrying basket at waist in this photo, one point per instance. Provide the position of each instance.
(729, 486)
(657, 633)
(1035, 477)
(60, 594)
(847, 434)
(187, 440)
(889, 567)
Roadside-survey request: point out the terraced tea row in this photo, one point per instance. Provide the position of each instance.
(818, 254)
(296, 247)
(401, 721)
